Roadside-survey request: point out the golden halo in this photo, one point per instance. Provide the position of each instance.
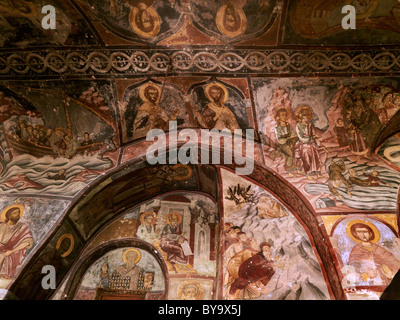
(199, 294)
(212, 84)
(71, 247)
(367, 223)
(3, 213)
(219, 19)
(143, 89)
(168, 218)
(301, 108)
(131, 250)
(156, 20)
(182, 177)
(145, 214)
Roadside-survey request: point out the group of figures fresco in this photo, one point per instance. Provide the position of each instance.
(168, 224)
(335, 149)
(142, 19)
(268, 254)
(210, 106)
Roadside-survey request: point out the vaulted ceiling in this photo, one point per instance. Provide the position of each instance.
(85, 82)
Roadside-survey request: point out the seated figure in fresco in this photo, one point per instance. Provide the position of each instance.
(15, 240)
(147, 229)
(172, 239)
(374, 264)
(253, 273)
(150, 115)
(216, 115)
(286, 138)
(308, 145)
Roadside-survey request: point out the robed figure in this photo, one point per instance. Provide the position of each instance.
(15, 240)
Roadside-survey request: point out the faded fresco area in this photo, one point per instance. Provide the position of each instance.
(319, 135)
(59, 149)
(389, 151)
(368, 251)
(138, 20)
(267, 253)
(24, 223)
(321, 22)
(120, 271)
(21, 25)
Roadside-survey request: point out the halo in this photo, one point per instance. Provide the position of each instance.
(199, 294)
(301, 108)
(367, 223)
(144, 214)
(156, 18)
(168, 218)
(143, 89)
(3, 213)
(212, 84)
(71, 247)
(131, 250)
(184, 177)
(219, 19)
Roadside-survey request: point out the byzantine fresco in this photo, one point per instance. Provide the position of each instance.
(319, 135)
(267, 253)
(181, 226)
(139, 20)
(389, 151)
(21, 25)
(120, 271)
(368, 251)
(234, 20)
(24, 223)
(56, 140)
(152, 105)
(319, 22)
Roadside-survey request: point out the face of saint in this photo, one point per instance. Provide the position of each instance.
(14, 215)
(305, 119)
(130, 258)
(283, 116)
(146, 21)
(86, 136)
(375, 173)
(340, 123)
(266, 251)
(363, 234)
(190, 292)
(152, 95)
(215, 94)
(148, 219)
(230, 17)
(174, 220)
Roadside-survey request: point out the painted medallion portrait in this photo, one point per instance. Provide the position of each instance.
(144, 19)
(231, 20)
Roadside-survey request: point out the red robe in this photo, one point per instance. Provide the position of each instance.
(17, 234)
(256, 268)
(379, 256)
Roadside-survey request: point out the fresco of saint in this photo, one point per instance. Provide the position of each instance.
(374, 264)
(216, 115)
(150, 114)
(309, 146)
(231, 20)
(15, 240)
